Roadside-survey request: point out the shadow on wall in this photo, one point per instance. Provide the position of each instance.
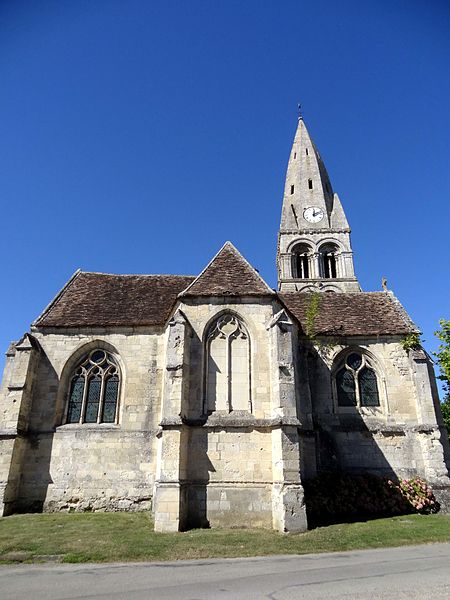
(356, 481)
(197, 467)
(36, 455)
(344, 441)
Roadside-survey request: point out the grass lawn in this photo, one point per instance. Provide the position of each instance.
(109, 537)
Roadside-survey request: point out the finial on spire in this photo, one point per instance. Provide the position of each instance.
(300, 115)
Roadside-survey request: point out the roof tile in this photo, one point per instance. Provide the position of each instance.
(358, 313)
(228, 274)
(99, 299)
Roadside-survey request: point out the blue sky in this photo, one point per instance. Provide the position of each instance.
(136, 137)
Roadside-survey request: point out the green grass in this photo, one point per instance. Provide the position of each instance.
(110, 537)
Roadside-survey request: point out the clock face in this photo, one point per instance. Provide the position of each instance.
(312, 214)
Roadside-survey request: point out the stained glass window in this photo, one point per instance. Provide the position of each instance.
(98, 356)
(75, 399)
(345, 384)
(354, 361)
(93, 399)
(94, 390)
(110, 400)
(368, 388)
(356, 382)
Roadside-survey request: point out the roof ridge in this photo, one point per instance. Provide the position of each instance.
(133, 274)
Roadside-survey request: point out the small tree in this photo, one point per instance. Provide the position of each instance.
(443, 357)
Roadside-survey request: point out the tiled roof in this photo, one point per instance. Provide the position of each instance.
(99, 299)
(228, 274)
(102, 300)
(358, 313)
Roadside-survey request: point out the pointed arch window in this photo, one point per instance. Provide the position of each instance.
(328, 261)
(228, 366)
(94, 390)
(356, 382)
(301, 259)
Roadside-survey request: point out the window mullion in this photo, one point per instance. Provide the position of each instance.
(116, 410)
(102, 398)
(358, 397)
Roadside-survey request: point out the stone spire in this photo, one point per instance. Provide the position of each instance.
(307, 182)
(314, 250)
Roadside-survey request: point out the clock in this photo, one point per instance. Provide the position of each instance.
(313, 214)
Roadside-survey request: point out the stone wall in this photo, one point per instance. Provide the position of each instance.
(402, 437)
(197, 466)
(88, 466)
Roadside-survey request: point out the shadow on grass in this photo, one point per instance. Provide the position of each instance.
(334, 498)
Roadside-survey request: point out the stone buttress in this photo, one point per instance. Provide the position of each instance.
(229, 447)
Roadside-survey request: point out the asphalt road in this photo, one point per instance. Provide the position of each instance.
(395, 574)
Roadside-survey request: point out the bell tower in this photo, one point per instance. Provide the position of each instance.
(314, 250)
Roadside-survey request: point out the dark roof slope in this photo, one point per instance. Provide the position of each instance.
(358, 313)
(228, 274)
(99, 299)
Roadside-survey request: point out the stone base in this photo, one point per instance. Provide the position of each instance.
(442, 495)
(289, 511)
(167, 507)
(239, 505)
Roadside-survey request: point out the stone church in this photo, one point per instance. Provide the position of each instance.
(211, 399)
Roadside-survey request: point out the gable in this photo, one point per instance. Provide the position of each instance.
(228, 274)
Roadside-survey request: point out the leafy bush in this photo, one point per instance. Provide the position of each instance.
(411, 342)
(417, 494)
(335, 497)
(443, 359)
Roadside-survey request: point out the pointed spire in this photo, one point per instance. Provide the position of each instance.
(307, 185)
(314, 250)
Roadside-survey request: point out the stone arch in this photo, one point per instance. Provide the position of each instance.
(331, 241)
(329, 288)
(80, 353)
(300, 240)
(227, 364)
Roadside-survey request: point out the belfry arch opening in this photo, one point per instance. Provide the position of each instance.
(301, 256)
(328, 261)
